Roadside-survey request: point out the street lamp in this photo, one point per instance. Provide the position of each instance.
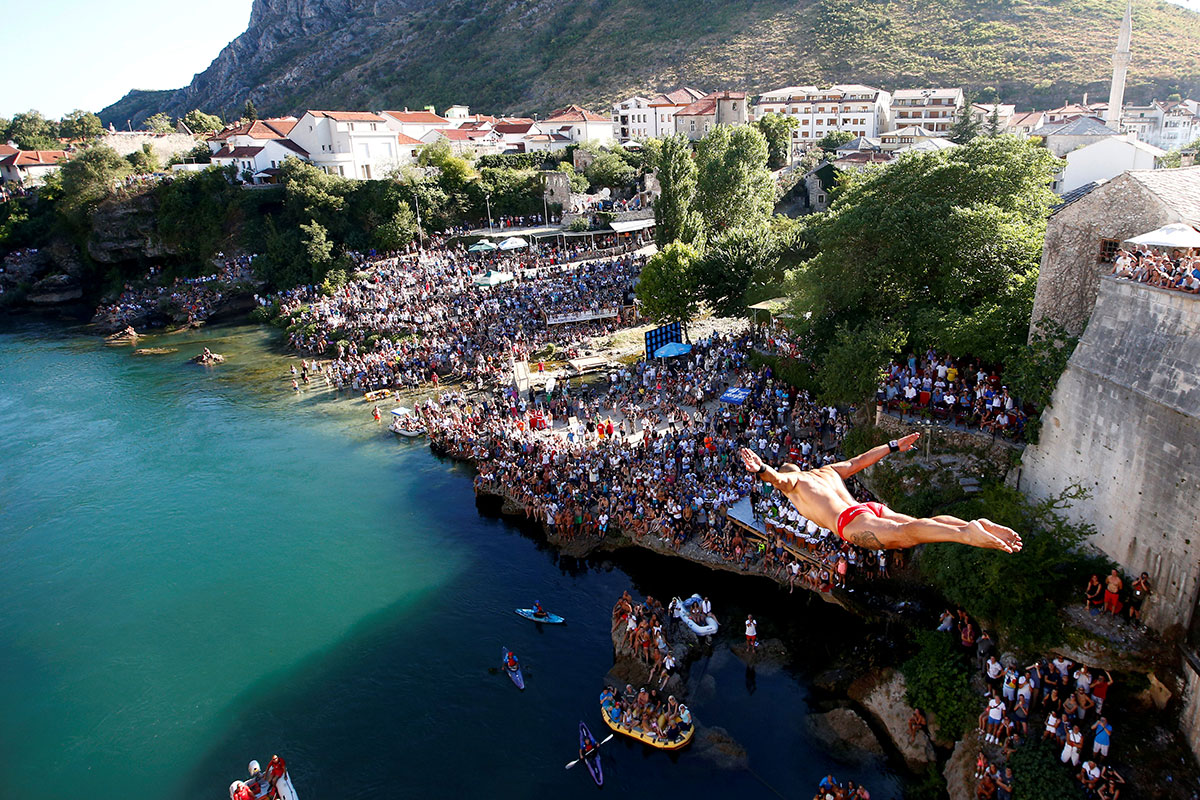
(420, 233)
(488, 198)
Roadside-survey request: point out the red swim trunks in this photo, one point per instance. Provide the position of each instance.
(850, 513)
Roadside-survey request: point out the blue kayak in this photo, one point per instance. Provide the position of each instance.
(549, 619)
(592, 761)
(515, 674)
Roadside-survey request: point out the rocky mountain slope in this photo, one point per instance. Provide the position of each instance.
(530, 56)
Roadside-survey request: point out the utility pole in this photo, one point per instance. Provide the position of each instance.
(420, 233)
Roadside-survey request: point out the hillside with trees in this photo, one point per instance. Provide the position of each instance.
(520, 58)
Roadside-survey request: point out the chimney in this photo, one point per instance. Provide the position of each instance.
(1085, 99)
(1187, 158)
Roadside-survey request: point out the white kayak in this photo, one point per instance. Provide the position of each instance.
(691, 609)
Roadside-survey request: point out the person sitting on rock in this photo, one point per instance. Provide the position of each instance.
(916, 724)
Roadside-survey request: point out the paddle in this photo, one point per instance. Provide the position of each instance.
(576, 761)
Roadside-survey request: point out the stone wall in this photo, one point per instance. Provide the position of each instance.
(945, 437)
(1124, 423)
(1189, 715)
(163, 145)
(1071, 267)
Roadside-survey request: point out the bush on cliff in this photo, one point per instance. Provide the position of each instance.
(938, 680)
(1038, 775)
(1020, 593)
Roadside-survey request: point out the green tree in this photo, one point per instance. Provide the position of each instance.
(318, 250)
(834, 139)
(158, 123)
(249, 112)
(777, 130)
(733, 185)
(611, 170)
(87, 179)
(398, 231)
(965, 127)
(731, 263)
(675, 216)
(993, 124)
(199, 122)
(944, 245)
(667, 288)
(579, 183)
(80, 125)
(143, 161)
(31, 131)
(855, 363)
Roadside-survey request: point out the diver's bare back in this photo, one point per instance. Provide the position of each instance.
(820, 495)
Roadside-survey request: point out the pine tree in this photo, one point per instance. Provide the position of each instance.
(993, 125)
(249, 111)
(966, 127)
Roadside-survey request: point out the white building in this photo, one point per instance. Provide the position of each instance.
(1167, 125)
(665, 106)
(861, 110)
(28, 167)
(711, 111)
(633, 119)
(1105, 159)
(415, 123)
(932, 109)
(579, 125)
(891, 141)
(982, 114)
(468, 141)
(352, 144)
(258, 162)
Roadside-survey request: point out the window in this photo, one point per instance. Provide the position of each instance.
(1108, 251)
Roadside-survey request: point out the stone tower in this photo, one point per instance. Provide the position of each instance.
(1121, 59)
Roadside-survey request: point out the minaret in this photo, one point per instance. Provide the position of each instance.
(1121, 58)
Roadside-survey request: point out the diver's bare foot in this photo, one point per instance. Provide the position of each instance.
(987, 534)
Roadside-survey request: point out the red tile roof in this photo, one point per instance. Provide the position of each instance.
(348, 116)
(574, 113)
(461, 134)
(237, 152)
(277, 128)
(400, 137)
(34, 158)
(7, 150)
(708, 103)
(419, 117)
(511, 127)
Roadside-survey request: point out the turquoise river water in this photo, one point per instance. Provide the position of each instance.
(199, 567)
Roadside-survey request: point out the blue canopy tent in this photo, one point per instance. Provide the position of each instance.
(671, 349)
(481, 247)
(735, 395)
(513, 243)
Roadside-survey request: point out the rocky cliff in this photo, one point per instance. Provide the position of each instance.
(535, 55)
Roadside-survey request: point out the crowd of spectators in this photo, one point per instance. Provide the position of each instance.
(194, 297)
(1179, 270)
(652, 454)
(416, 319)
(952, 391)
(1053, 698)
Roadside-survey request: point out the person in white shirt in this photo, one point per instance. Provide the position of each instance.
(751, 632)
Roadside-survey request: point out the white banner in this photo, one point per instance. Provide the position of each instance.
(582, 316)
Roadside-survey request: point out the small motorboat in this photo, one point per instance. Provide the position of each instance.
(692, 616)
(274, 782)
(405, 423)
(514, 673)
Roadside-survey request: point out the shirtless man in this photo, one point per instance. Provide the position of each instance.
(821, 495)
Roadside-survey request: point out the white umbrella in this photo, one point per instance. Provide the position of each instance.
(513, 243)
(1174, 235)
